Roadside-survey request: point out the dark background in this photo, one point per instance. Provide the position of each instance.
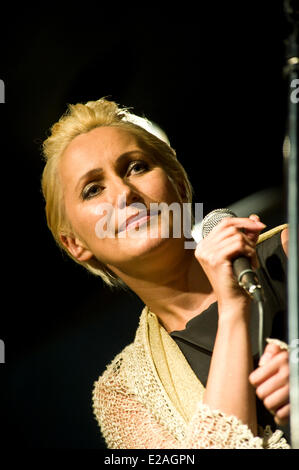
(212, 78)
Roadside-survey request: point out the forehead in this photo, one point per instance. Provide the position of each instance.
(95, 148)
(105, 142)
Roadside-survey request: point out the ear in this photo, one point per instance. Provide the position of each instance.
(76, 247)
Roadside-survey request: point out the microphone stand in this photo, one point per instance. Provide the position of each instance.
(290, 154)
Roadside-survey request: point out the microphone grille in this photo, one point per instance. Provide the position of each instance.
(213, 218)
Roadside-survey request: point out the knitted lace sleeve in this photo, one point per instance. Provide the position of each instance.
(126, 423)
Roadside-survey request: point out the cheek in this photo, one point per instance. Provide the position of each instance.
(83, 220)
(87, 223)
(158, 187)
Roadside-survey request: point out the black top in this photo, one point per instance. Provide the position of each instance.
(196, 341)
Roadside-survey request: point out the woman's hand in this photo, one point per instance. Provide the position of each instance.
(216, 251)
(271, 381)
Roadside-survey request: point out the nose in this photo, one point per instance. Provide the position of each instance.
(124, 194)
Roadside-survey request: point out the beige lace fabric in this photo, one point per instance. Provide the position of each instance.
(150, 398)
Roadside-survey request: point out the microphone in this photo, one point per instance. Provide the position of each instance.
(245, 275)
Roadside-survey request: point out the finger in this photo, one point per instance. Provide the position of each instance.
(251, 241)
(234, 246)
(262, 373)
(270, 351)
(277, 399)
(254, 236)
(282, 415)
(269, 386)
(227, 232)
(240, 223)
(231, 234)
(254, 217)
(230, 242)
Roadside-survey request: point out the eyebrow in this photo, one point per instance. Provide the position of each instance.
(95, 172)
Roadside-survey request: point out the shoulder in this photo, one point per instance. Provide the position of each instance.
(114, 372)
(123, 367)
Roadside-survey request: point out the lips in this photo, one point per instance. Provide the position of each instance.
(136, 219)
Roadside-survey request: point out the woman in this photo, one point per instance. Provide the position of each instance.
(149, 396)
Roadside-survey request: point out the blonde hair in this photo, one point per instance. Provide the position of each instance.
(82, 118)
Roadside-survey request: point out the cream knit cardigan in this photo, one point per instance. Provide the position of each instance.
(150, 398)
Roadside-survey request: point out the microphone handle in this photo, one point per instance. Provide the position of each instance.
(247, 278)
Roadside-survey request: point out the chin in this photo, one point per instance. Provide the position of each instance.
(139, 255)
(145, 249)
(141, 245)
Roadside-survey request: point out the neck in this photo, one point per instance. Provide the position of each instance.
(176, 292)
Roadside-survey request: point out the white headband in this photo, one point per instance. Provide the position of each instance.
(147, 125)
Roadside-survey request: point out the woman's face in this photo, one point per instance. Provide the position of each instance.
(107, 180)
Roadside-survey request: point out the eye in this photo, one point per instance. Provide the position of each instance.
(138, 166)
(91, 190)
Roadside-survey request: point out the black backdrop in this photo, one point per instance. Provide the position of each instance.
(212, 79)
